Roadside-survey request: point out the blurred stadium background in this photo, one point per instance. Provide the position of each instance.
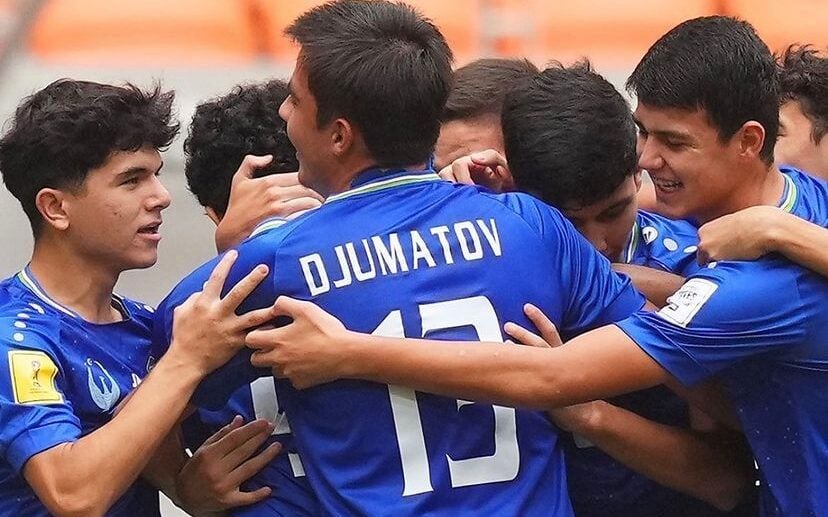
(201, 48)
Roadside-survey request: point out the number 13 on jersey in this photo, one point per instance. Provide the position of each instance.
(476, 312)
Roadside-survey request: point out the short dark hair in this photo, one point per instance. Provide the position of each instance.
(714, 63)
(569, 136)
(481, 86)
(70, 127)
(803, 77)
(224, 130)
(382, 66)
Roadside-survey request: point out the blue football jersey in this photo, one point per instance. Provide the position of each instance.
(760, 328)
(292, 495)
(661, 243)
(404, 253)
(599, 485)
(60, 379)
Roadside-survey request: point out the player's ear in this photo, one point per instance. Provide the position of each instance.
(52, 205)
(751, 138)
(342, 136)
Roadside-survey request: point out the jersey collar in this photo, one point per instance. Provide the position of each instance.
(374, 180)
(28, 279)
(632, 245)
(789, 195)
(268, 224)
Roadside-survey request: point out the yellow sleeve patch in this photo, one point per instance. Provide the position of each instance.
(33, 377)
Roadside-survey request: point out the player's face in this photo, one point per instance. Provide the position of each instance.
(114, 218)
(607, 223)
(694, 173)
(312, 142)
(460, 138)
(795, 145)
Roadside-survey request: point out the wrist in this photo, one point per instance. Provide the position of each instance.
(354, 363)
(177, 366)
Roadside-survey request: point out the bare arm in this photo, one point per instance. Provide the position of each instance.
(316, 348)
(713, 466)
(703, 461)
(758, 230)
(654, 284)
(67, 478)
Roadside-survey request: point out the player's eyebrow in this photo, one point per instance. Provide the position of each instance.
(670, 134)
(137, 169)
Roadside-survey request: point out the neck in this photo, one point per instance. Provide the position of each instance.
(766, 189)
(343, 182)
(73, 281)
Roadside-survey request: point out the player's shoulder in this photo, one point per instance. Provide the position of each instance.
(528, 208)
(805, 195)
(671, 244)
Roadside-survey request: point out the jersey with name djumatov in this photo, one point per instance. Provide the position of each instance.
(60, 379)
(760, 327)
(404, 253)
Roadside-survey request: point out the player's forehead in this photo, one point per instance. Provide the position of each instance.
(673, 121)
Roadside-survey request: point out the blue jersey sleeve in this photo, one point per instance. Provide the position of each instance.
(217, 387)
(723, 316)
(34, 411)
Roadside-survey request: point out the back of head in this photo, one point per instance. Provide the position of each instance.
(383, 67)
(224, 130)
(803, 77)
(717, 64)
(480, 87)
(70, 127)
(569, 136)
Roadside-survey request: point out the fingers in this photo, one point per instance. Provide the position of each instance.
(547, 329)
(245, 286)
(224, 431)
(489, 158)
(295, 207)
(461, 171)
(251, 467)
(255, 318)
(245, 450)
(282, 192)
(257, 339)
(447, 174)
(250, 164)
(238, 437)
(247, 498)
(214, 284)
(523, 336)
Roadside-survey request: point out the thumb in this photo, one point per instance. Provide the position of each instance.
(250, 165)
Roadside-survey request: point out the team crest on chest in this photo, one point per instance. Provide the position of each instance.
(103, 389)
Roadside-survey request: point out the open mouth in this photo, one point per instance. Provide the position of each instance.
(667, 186)
(150, 229)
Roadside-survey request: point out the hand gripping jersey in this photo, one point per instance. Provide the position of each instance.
(404, 253)
(60, 379)
(760, 328)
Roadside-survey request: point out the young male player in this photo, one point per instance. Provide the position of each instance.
(803, 122)
(396, 251)
(223, 133)
(573, 140)
(707, 116)
(83, 159)
(471, 118)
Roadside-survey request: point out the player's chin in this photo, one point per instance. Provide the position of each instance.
(142, 260)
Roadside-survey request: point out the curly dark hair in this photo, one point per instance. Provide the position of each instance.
(803, 77)
(71, 127)
(224, 130)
